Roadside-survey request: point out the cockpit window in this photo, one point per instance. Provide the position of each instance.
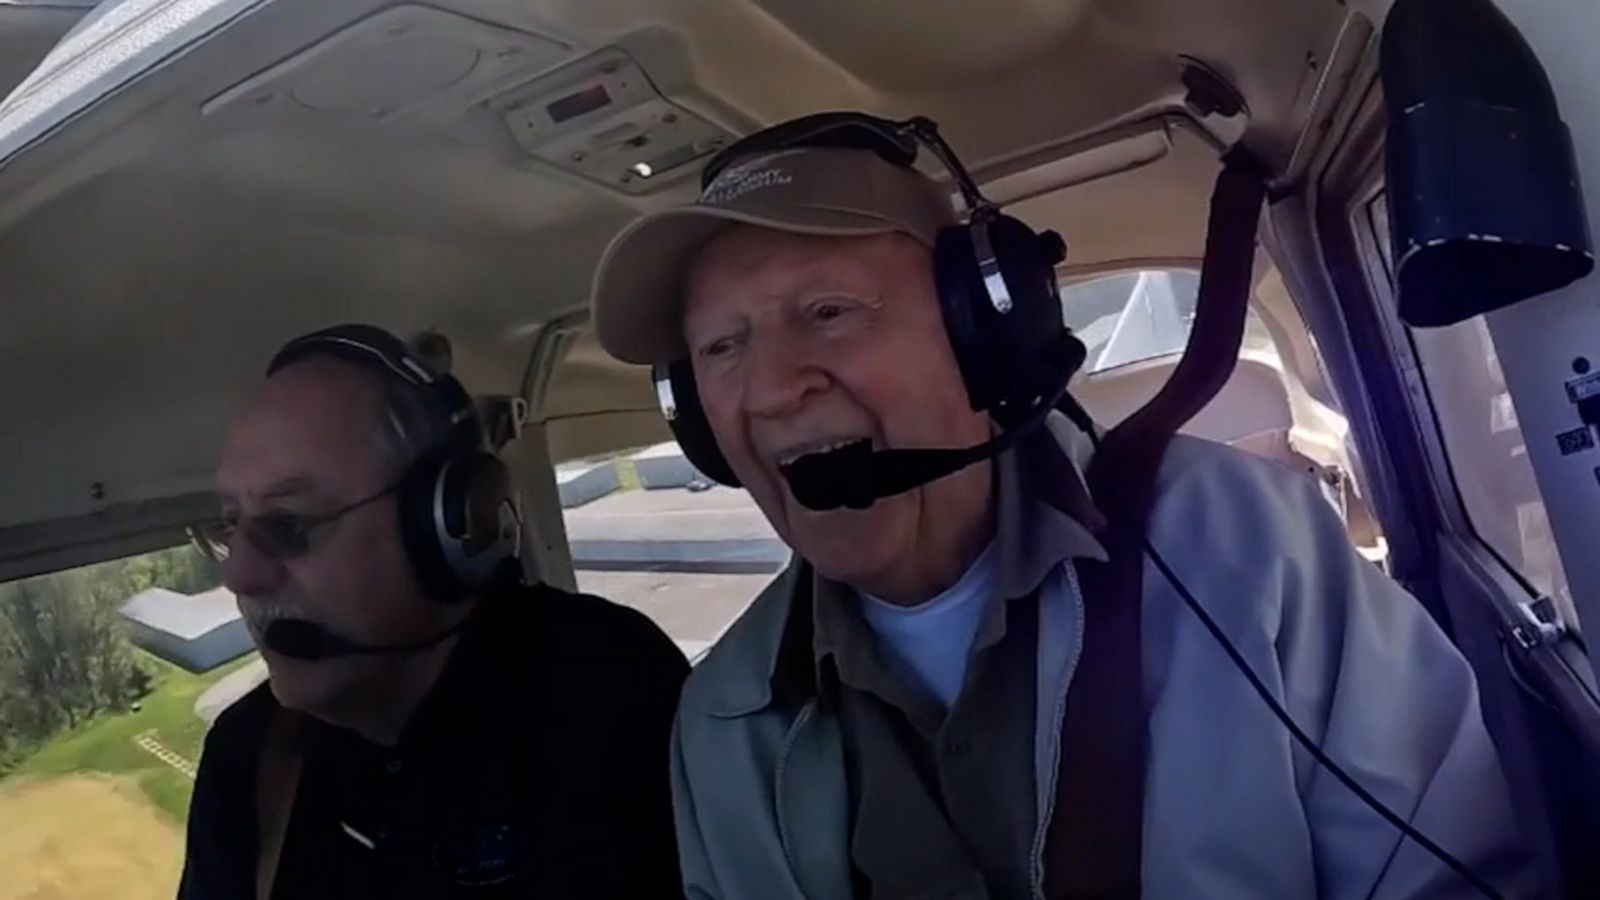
(1131, 316)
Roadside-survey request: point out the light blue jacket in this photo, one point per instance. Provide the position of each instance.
(1234, 807)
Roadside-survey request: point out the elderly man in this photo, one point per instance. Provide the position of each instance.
(432, 727)
(886, 719)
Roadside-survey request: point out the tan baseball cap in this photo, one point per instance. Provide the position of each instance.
(638, 290)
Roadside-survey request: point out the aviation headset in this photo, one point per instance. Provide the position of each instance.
(994, 275)
(460, 520)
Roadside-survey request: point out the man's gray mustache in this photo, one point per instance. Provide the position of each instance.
(258, 614)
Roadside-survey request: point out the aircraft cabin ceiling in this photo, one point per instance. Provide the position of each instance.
(184, 184)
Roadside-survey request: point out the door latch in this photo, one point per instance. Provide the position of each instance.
(1541, 623)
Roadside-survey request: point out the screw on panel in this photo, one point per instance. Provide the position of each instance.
(1581, 365)
(97, 491)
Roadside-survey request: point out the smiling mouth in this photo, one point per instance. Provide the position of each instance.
(818, 448)
(832, 475)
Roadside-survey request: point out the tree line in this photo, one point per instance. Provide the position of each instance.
(64, 656)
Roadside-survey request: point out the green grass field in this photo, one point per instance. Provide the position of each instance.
(106, 745)
(94, 815)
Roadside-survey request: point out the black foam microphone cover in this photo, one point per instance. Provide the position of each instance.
(855, 476)
(840, 478)
(299, 639)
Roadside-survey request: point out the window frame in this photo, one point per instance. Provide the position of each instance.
(1436, 555)
(1378, 270)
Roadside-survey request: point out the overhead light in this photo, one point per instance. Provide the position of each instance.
(642, 169)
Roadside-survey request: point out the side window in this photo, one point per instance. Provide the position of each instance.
(1133, 317)
(1136, 326)
(647, 530)
(1485, 447)
(109, 677)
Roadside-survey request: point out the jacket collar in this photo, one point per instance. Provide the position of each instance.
(739, 672)
(1044, 517)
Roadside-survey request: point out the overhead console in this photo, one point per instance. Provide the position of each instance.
(602, 119)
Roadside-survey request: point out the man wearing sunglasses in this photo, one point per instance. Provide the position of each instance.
(432, 727)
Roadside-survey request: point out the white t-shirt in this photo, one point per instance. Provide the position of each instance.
(930, 642)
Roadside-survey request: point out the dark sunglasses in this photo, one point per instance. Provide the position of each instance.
(281, 536)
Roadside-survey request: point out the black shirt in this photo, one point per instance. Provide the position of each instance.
(537, 766)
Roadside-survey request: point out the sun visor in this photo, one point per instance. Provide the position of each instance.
(1484, 197)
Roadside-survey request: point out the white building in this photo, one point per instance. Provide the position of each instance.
(196, 632)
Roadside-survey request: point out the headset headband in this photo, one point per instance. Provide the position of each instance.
(375, 349)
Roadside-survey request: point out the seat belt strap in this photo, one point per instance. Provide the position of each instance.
(1093, 848)
(277, 778)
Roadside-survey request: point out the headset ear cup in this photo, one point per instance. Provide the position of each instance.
(691, 429)
(418, 533)
(460, 522)
(482, 519)
(1008, 359)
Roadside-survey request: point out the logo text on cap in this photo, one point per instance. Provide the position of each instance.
(742, 180)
